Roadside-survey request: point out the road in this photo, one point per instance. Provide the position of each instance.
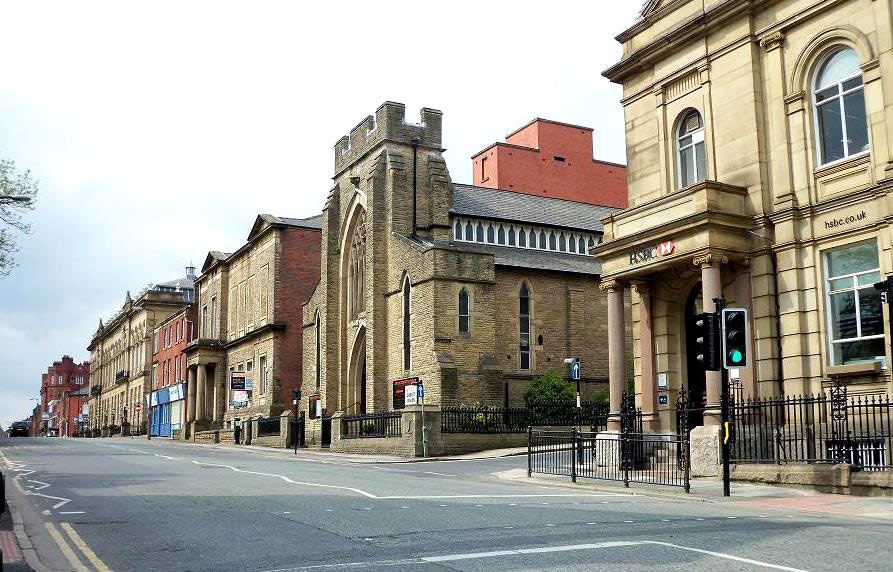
(122, 504)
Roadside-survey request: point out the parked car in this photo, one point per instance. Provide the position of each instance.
(18, 429)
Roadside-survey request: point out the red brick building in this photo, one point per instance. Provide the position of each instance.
(553, 159)
(64, 376)
(167, 399)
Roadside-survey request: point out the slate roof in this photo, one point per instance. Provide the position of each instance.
(533, 259)
(184, 283)
(481, 202)
(310, 222)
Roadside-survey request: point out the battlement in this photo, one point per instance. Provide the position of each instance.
(388, 124)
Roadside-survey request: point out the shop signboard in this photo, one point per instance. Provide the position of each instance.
(237, 383)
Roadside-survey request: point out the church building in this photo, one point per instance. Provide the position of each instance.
(475, 291)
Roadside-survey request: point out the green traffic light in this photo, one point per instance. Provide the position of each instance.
(737, 356)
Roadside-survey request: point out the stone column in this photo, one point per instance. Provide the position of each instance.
(711, 286)
(190, 395)
(218, 398)
(650, 418)
(616, 349)
(201, 397)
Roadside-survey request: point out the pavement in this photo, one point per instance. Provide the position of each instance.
(121, 504)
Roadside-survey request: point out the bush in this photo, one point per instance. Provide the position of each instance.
(549, 387)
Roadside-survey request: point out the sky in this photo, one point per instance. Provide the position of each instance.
(159, 130)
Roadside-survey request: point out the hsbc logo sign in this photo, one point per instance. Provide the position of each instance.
(650, 253)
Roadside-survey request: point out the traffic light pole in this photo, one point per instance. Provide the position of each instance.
(720, 304)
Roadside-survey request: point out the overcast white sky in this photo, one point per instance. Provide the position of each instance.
(158, 130)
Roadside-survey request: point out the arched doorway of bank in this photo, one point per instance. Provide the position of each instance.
(696, 379)
(357, 388)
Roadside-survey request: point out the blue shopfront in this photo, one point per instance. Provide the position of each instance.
(167, 410)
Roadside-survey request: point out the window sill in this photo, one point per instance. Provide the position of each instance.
(855, 369)
(842, 164)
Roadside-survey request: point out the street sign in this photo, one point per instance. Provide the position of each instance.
(576, 370)
(410, 395)
(139, 407)
(420, 390)
(663, 399)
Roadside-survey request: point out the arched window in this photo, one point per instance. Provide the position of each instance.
(491, 236)
(524, 323)
(840, 107)
(318, 352)
(480, 233)
(542, 240)
(692, 156)
(458, 233)
(501, 235)
(591, 242)
(407, 309)
(552, 245)
(522, 238)
(511, 236)
(357, 270)
(469, 232)
(463, 312)
(562, 243)
(572, 244)
(582, 246)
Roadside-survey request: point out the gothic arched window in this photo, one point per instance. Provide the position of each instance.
(463, 312)
(407, 311)
(356, 279)
(524, 323)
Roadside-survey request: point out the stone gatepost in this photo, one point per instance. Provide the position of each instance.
(246, 431)
(705, 443)
(285, 429)
(411, 430)
(336, 428)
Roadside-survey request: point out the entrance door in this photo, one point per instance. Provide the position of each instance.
(697, 378)
(363, 387)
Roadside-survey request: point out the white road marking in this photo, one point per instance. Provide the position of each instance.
(520, 551)
(288, 480)
(71, 512)
(725, 555)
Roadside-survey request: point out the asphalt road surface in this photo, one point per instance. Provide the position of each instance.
(122, 504)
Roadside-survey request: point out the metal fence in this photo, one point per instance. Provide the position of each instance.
(824, 428)
(383, 424)
(484, 419)
(625, 457)
(267, 427)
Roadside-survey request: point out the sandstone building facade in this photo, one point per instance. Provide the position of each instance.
(121, 356)
(249, 324)
(760, 147)
(473, 290)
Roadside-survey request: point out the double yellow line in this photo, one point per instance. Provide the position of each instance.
(62, 540)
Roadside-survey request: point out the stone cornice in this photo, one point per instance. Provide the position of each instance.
(611, 285)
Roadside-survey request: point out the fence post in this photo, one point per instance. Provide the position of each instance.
(625, 457)
(687, 466)
(574, 456)
(529, 437)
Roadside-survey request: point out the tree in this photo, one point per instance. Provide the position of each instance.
(17, 194)
(549, 387)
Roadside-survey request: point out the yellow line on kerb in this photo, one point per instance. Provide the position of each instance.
(88, 552)
(66, 549)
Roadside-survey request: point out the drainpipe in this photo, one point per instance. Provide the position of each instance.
(415, 150)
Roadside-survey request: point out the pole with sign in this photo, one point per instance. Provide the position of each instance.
(420, 393)
(295, 398)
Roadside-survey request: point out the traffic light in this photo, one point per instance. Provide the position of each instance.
(708, 341)
(734, 337)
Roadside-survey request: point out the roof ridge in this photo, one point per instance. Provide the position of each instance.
(536, 196)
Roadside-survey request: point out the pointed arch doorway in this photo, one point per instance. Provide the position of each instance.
(356, 385)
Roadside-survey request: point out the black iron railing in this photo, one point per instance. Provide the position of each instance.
(483, 419)
(382, 424)
(267, 427)
(824, 428)
(626, 457)
(122, 375)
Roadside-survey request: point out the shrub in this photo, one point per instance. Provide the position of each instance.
(549, 387)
